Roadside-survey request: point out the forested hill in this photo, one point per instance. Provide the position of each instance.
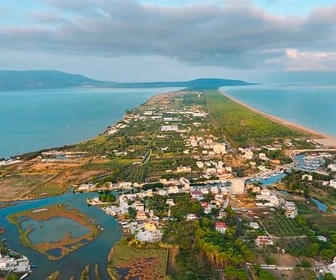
(194, 84)
(48, 79)
(42, 79)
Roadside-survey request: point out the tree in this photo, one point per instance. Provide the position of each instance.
(313, 250)
(132, 212)
(12, 276)
(265, 275)
(185, 243)
(327, 253)
(328, 276)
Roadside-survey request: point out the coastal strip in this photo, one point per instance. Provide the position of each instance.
(317, 136)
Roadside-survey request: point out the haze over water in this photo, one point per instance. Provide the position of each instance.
(39, 119)
(313, 106)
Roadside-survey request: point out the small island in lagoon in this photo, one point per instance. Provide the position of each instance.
(68, 230)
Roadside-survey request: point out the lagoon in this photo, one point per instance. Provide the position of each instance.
(53, 229)
(96, 252)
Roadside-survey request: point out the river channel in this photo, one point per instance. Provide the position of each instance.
(94, 253)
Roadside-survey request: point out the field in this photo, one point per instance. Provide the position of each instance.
(277, 224)
(295, 274)
(141, 261)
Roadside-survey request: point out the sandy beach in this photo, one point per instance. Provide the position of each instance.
(319, 137)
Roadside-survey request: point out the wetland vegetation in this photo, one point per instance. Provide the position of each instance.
(68, 230)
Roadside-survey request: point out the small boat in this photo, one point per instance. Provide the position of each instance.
(33, 265)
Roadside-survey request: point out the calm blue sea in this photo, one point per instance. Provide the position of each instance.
(308, 105)
(34, 120)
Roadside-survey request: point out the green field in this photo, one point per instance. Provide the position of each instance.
(278, 224)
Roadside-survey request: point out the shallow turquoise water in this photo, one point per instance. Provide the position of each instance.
(53, 229)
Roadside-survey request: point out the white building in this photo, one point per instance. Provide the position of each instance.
(221, 227)
(332, 267)
(219, 148)
(333, 183)
(248, 154)
(307, 176)
(183, 169)
(237, 186)
(332, 167)
(173, 189)
(291, 210)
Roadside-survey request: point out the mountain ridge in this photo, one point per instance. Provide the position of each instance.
(52, 79)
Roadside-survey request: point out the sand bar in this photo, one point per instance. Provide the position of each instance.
(319, 137)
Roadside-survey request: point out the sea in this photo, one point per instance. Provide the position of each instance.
(32, 120)
(312, 106)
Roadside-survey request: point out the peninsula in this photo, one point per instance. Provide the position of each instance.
(202, 186)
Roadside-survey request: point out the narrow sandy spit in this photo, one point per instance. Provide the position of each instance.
(319, 137)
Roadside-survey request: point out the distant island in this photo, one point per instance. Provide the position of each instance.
(52, 79)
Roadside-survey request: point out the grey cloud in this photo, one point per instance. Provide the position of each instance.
(236, 34)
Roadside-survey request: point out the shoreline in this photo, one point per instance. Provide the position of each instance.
(317, 136)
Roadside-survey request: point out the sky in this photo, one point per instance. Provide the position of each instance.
(172, 40)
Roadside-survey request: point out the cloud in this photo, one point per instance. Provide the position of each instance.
(310, 61)
(234, 34)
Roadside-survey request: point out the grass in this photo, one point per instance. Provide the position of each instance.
(323, 221)
(294, 246)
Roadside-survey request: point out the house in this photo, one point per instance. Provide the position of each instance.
(170, 202)
(185, 183)
(191, 217)
(162, 192)
(204, 191)
(125, 185)
(219, 197)
(224, 190)
(219, 148)
(139, 206)
(148, 193)
(221, 227)
(332, 167)
(262, 156)
(332, 267)
(173, 189)
(307, 177)
(248, 154)
(322, 238)
(264, 240)
(290, 209)
(183, 169)
(333, 183)
(254, 225)
(150, 226)
(141, 215)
